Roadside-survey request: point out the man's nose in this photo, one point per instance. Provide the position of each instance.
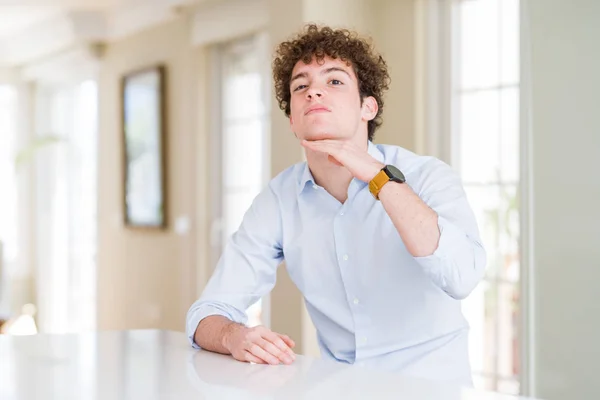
(314, 92)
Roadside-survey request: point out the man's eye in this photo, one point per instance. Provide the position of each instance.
(299, 87)
(336, 82)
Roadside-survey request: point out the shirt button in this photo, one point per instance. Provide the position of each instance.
(356, 301)
(345, 257)
(342, 213)
(315, 187)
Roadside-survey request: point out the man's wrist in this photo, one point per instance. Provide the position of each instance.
(228, 330)
(391, 186)
(377, 167)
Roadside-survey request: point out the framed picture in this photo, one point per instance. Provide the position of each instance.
(143, 124)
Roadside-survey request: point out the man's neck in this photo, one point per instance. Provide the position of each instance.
(327, 174)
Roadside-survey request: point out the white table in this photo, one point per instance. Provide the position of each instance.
(153, 364)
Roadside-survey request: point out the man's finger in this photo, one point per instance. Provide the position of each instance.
(269, 347)
(252, 358)
(261, 353)
(321, 145)
(318, 145)
(332, 150)
(287, 340)
(279, 342)
(334, 160)
(332, 142)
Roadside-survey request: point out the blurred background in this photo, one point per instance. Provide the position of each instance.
(134, 134)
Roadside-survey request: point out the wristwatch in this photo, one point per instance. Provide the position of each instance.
(387, 174)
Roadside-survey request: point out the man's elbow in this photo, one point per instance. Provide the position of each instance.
(464, 282)
(459, 292)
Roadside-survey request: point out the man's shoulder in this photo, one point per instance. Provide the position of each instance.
(287, 179)
(407, 160)
(281, 189)
(421, 171)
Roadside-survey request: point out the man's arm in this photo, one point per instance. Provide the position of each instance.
(436, 225)
(258, 345)
(416, 223)
(211, 331)
(440, 227)
(246, 271)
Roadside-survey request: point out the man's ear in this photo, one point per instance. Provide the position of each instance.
(369, 108)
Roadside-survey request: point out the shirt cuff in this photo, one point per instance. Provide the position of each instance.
(450, 246)
(450, 241)
(194, 318)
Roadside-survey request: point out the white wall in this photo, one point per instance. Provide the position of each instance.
(147, 279)
(393, 28)
(565, 121)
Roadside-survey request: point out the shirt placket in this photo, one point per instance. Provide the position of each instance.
(346, 257)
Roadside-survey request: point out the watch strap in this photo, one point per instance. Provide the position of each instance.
(377, 183)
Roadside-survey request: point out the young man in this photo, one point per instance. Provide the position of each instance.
(381, 242)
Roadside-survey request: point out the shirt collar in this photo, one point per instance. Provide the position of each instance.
(306, 176)
(374, 151)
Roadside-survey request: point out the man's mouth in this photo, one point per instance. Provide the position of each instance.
(316, 109)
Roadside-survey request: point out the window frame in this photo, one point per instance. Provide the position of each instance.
(258, 43)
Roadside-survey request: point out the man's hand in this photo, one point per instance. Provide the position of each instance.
(359, 162)
(259, 345)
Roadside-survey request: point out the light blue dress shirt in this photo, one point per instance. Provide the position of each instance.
(371, 301)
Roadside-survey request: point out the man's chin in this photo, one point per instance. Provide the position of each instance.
(319, 136)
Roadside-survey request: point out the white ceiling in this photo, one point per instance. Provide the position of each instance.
(29, 29)
(15, 19)
(18, 15)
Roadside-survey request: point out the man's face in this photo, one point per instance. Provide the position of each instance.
(325, 103)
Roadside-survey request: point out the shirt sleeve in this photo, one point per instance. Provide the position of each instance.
(247, 268)
(458, 263)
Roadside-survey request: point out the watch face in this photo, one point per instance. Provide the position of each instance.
(395, 174)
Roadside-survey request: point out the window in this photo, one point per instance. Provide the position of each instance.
(65, 187)
(8, 199)
(243, 138)
(485, 151)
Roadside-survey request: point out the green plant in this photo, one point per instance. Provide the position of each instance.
(28, 153)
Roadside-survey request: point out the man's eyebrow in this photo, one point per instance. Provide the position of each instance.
(331, 69)
(323, 72)
(298, 76)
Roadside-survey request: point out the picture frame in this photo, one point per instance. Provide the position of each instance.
(143, 123)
